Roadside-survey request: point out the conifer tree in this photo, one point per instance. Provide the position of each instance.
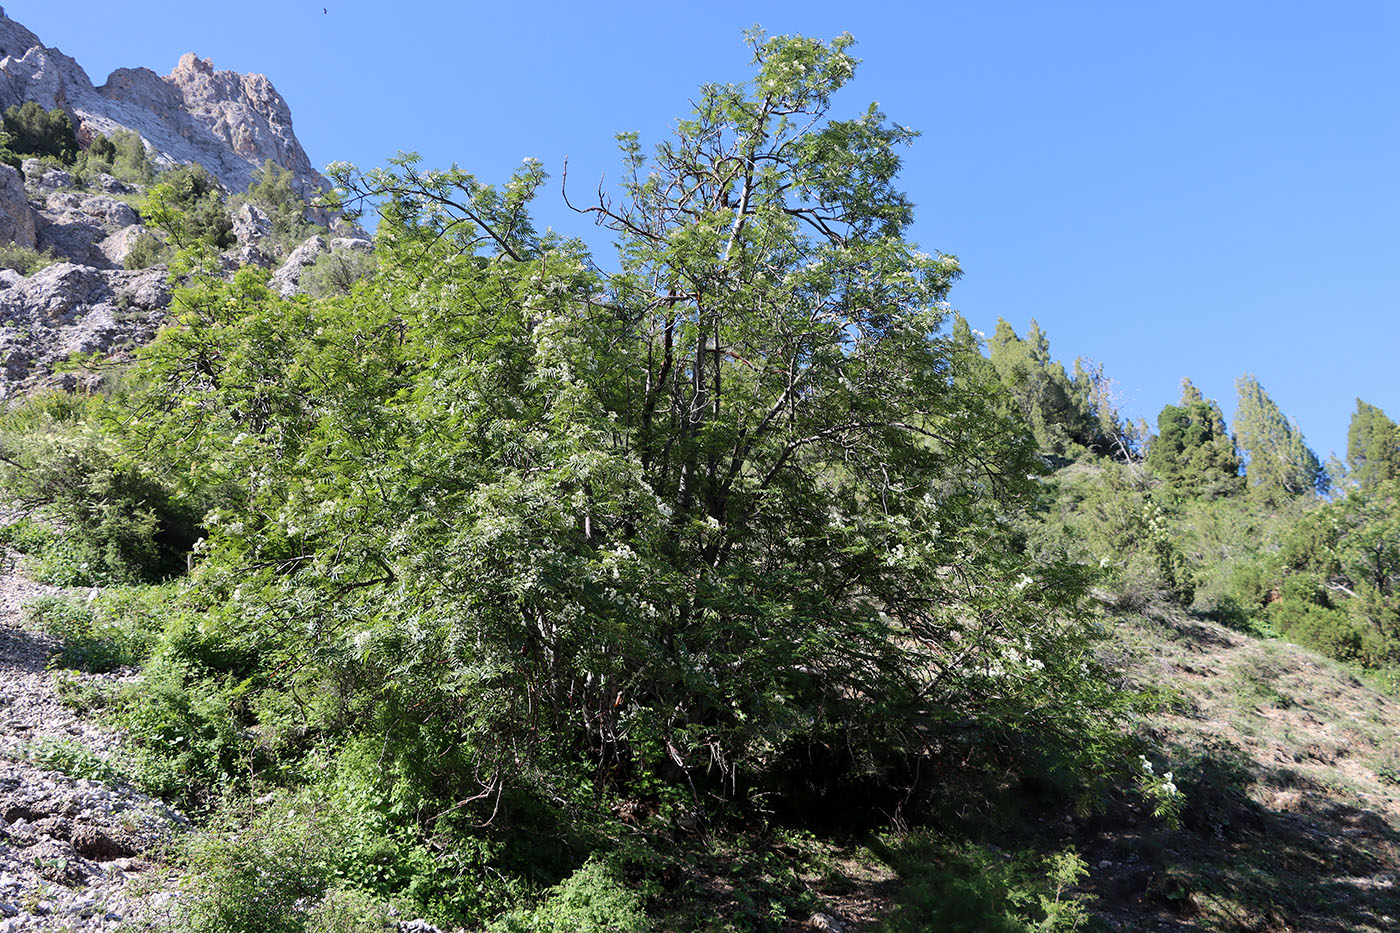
(1057, 409)
(1192, 453)
(1373, 446)
(1279, 462)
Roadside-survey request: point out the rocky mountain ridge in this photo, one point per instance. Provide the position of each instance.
(72, 283)
(229, 123)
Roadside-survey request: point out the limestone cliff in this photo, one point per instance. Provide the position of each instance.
(227, 122)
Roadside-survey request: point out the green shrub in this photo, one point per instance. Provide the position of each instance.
(336, 272)
(74, 759)
(594, 899)
(965, 888)
(272, 192)
(190, 740)
(187, 204)
(119, 522)
(122, 155)
(120, 628)
(349, 911)
(148, 250)
(268, 875)
(24, 259)
(32, 131)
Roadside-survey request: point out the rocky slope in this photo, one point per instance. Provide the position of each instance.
(75, 853)
(227, 122)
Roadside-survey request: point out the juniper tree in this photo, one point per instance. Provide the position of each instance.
(1278, 462)
(1192, 452)
(1373, 446)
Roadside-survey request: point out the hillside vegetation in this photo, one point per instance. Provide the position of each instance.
(731, 582)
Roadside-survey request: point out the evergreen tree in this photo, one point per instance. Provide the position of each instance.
(1192, 452)
(32, 131)
(1279, 462)
(1058, 409)
(1373, 446)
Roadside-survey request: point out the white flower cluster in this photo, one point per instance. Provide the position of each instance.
(1167, 782)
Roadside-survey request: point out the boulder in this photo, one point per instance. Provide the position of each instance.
(43, 176)
(232, 260)
(54, 294)
(353, 244)
(112, 185)
(69, 308)
(286, 281)
(251, 225)
(117, 246)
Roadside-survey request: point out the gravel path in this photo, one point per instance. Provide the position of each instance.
(78, 855)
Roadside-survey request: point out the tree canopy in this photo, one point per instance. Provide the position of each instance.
(1373, 446)
(1278, 461)
(1192, 451)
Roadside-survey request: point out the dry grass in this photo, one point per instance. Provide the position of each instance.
(1289, 765)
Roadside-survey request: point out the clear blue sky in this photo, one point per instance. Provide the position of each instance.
(1174, 189)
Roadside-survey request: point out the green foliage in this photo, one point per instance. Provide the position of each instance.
(1104, 514)
(1192, 453)
(32, 131)
(120, 523)
(272, 876)
(272, 191)
(1062, 412)
(148, 250)
(73, 758)
(1329, 578)
(122, 155)
(349, 911)
(1373, 446)
(964, 887)
(496, 541)
(118, 628)
(593, 899)
(579, 535)
(189, 730)
(24, 259)
(1279, 463)
(187, 205)
(336, 272)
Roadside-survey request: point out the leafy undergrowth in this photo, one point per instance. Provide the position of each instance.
(1288, 764)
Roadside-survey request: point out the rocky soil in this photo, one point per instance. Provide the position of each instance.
(75, 854)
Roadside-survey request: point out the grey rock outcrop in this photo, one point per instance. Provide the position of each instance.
(110, 185)
(67, 309)
(42, 176)
(286, 281)
(251, 225)
(118, 246)
(16, 216)
(75, 225)
(227, 122)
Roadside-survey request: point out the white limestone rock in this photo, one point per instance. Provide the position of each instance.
(74, 225)
(69, 308)
(286, 281)
(17, 223)
(118, 246)
(251, 225)
(227, 122)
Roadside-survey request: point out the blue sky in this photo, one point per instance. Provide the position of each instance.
(1172, 189)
